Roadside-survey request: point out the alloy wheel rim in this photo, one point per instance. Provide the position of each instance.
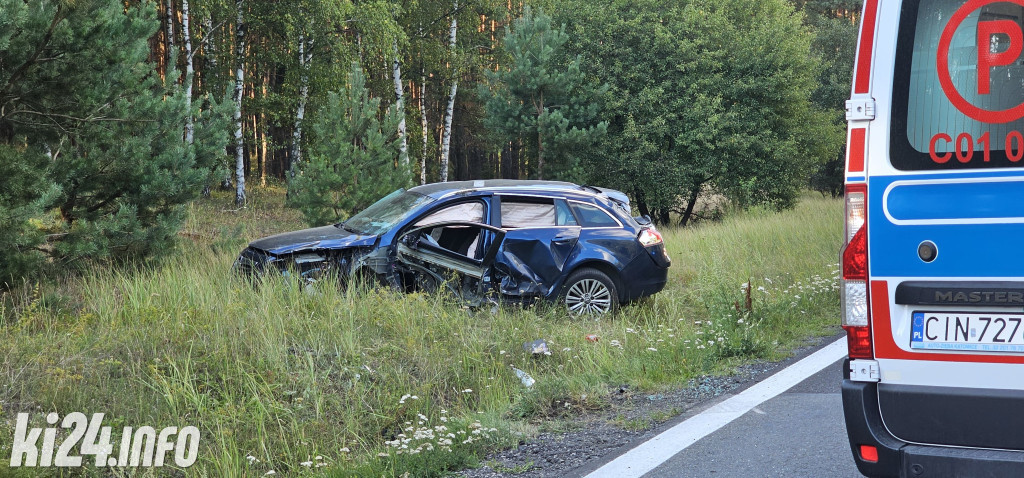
(588, 296)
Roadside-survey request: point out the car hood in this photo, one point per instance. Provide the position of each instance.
(325, 237)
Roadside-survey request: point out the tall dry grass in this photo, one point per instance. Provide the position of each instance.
(378, 383)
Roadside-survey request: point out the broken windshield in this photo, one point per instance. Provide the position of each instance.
(385, 213)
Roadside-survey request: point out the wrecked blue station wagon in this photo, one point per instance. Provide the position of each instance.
(485, 241)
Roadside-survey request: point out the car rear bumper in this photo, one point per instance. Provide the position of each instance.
(642, 277)
(897, 458)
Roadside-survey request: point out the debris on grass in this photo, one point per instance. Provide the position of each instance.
(537, 347)
(524, 377)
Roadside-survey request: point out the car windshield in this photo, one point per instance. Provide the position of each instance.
(385, 213)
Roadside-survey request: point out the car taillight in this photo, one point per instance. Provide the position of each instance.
(856, 315)
(650, 237)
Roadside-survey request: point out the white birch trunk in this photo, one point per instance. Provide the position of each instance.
(189, 73)
(449, 112)
(170, 35)
(305, 57)
(423, 123)
(209, 48)
(239, 84)
(396, 73)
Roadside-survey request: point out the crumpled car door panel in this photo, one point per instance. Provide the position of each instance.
(531, 259)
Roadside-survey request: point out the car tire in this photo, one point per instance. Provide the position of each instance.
(589, 292)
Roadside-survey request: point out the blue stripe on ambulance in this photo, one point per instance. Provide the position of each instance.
(931, 211)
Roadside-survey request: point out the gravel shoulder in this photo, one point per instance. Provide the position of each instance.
(632, 418)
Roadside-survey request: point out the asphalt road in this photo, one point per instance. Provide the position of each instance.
(799, 433)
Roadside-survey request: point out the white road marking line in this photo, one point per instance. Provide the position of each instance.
(651, 453)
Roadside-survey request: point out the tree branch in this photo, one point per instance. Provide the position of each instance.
(35, 55)
(206, 38)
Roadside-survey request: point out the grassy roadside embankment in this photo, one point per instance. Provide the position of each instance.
(303, 381)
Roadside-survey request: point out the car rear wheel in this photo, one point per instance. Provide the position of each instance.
(590, 292)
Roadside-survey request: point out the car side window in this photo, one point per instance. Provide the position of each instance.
(527, 213)
(563, 216)
(593, 216)
(472, 211)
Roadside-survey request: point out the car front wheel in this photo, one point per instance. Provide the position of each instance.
(590, 292)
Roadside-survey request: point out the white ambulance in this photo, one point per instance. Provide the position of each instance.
(933, 266)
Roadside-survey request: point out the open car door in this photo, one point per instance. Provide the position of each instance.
(456, 255)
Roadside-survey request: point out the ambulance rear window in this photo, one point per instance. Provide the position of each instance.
(958, 88)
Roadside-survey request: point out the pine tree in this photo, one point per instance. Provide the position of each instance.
(96, 166)
(541, 98)
(355, 162)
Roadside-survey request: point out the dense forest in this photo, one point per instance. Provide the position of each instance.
(115, 113)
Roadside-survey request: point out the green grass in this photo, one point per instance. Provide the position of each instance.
(286, 373)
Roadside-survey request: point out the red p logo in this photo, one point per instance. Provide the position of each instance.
(987, 59)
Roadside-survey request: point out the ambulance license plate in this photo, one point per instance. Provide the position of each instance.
(973, 331)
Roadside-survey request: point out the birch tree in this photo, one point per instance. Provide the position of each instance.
(449, 112)
(423, 123)
(169, 36)
(239, 86)
(396, 73)
(305, 60)
(189, 72)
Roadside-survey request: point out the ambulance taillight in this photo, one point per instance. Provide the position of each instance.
(856, 316)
